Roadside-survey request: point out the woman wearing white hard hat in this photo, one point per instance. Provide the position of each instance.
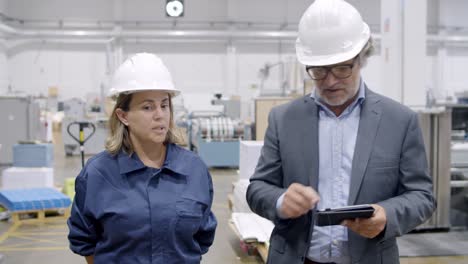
(341, 145)
(144, 199)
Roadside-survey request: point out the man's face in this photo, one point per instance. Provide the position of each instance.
(337, 92)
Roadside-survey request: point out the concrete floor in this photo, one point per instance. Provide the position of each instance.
(48, 243)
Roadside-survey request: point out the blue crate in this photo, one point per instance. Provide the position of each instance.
(33, 155)
(33, 199)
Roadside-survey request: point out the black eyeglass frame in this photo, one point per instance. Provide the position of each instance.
(330, 69)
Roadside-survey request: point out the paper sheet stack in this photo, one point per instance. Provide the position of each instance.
(252, 228)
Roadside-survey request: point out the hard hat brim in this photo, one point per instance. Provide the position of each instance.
(172, 92)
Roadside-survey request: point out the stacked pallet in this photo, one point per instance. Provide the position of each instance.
(253, 231)
(32, 167)
(32, 205)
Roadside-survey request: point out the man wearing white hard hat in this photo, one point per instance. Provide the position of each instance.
(339, 146)
(144, 199)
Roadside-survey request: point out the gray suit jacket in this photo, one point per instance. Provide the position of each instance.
(389, 168)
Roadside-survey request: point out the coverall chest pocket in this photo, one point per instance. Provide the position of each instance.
(189, 215)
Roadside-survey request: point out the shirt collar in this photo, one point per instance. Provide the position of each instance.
(174, 161)
(358, 101)
(129, 163)
(177, 160)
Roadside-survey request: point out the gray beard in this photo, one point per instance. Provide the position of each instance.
(341, 101)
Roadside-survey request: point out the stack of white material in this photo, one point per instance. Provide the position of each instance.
(249, 154)
(252, 228)
(239, 202)
(22, 178)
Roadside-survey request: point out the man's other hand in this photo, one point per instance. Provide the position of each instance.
(298, 200)
(369, 227)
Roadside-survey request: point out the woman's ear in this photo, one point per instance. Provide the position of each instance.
(122, 116)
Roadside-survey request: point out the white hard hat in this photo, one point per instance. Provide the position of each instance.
(142, 72)
(330, 32)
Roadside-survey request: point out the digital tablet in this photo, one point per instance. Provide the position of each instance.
(334, 216)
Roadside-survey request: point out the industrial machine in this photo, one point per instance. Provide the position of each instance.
(445, 130)
(459, 165)
(94, 145)
(287, 79)
(231, 106)
(20, 117)
(459, 121)
(75, 111)
(216, 137)
(81, 139)
(436, 126)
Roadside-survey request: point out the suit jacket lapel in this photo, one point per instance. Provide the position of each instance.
(368, 125)
(310, 150)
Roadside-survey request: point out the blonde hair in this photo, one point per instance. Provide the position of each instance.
(119, 136)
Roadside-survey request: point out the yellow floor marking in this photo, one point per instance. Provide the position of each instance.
(7, 233)
(32, 239)
(40, 233)
(12, 230)
(56, 226)
(37, 240)
(29, 249)
(20, 244)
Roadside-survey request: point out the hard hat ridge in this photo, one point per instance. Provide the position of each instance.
(142, 72)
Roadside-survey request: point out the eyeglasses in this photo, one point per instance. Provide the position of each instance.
(341, 71)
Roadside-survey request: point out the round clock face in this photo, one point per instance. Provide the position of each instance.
(174, 8)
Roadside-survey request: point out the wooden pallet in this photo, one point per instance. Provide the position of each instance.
(230, 200)
(34, 217)
(251, 247)
(39, 216)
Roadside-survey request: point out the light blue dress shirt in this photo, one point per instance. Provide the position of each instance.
(337, 140)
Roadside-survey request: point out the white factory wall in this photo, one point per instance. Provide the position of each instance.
(4, 68)
(453, 14)
(77, 69)
(75, 72)
(3, 58)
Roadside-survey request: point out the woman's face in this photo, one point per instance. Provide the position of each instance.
(148, 117)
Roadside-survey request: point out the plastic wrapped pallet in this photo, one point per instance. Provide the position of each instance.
(249, 154)
(33, 199)
(18, 178)
(33, 155)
